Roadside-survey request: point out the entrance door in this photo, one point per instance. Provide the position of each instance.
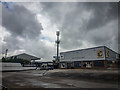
(99, 63)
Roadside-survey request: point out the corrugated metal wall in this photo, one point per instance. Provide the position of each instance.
(110, 55)
(83, 55)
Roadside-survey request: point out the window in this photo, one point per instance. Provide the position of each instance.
(87, 64)
(77, 63)
(69, 65)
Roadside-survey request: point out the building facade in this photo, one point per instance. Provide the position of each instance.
(97, 57)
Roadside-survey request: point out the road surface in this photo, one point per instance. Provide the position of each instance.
(68, 78)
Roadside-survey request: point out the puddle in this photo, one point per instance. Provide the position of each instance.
(45, 84)
(20, 84)
(38, 75)
(70, 84)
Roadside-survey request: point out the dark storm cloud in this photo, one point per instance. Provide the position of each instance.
(81, 22)
(103, 13)
(119, 27)
(20, 21)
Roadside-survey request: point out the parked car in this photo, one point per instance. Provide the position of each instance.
(37, 68)
(46, 68)
(50, 68)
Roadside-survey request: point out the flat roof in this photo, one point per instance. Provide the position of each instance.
(88, 49)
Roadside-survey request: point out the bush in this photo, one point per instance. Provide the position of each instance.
(16, 60)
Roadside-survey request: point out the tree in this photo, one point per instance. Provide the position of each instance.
(15, 60)
(3, 59)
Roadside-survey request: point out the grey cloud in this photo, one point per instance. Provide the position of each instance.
(71, 12)
(11, 44)
(66, 16)
(40, 49)
(0, 14)
(103, 13)
(20, 22)
(76, 27)
(108, 35)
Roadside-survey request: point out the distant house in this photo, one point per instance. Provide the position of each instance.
(24, 56)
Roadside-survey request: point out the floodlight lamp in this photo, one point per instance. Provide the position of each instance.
(57, 33)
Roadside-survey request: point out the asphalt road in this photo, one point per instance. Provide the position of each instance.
(72, 78)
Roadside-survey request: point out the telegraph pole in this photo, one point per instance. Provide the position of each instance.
(57, 42)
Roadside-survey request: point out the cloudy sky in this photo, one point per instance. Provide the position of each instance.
(30, 27)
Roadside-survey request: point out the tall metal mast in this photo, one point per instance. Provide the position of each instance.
(6, 53)
(57, 42)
